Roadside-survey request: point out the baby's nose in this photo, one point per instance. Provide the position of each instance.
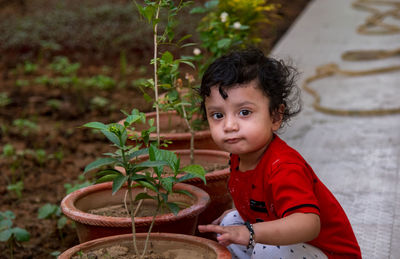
(230, 124)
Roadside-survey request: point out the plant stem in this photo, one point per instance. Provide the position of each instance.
(155, 75)
(132, 218)
(191, 134)
(150, 228)
(12, 248)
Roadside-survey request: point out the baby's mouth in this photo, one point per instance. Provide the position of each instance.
(232, 140)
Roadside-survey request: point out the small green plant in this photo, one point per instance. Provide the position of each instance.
(9, 234)
(25, 127)
(99, 102)
(4, 99)
(55, 254)
(54, 104)
(58, 155)
(149, 174)
(52, 211)
(17, 188)
(29, 68)
(40, 156)
(21, 82)
(100, 82)
(44, 80)
(14, 158)
(62, 66)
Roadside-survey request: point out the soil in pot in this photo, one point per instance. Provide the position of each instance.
(126, 251)
(147, 209)
(160, 246)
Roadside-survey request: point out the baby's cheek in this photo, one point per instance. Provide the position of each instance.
(216, 135)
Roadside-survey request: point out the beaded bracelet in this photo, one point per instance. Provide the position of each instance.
(252, 243)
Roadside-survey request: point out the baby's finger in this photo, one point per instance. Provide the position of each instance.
(211, 228)
(224, 239)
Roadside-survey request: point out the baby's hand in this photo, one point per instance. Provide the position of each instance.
(228, 235)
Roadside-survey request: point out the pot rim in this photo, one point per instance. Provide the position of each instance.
(221, 251)
(71, 211)
(211, 176)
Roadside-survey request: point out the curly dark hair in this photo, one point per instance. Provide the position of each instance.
(276, 79)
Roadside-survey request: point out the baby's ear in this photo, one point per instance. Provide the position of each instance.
(277, 116)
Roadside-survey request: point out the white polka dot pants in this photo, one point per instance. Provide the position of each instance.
(261, 251)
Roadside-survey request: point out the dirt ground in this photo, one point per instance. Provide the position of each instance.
(57, 114)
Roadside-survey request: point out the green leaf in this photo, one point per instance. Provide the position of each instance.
(167, 57)
(164, 155)
(143, 196)
(198, 9)
(107, 178)
(167, 183)
(5, 223)
(5, 235)
(188, 63)
(132, 119)
(184, 192)
(99, 163)
(112, 137)
(195, 170)
(147, 164)
(147, 185)
(224, 43)
(61, 222)
(140, 152)
(184, 38)
(96, 125)
(8, 214)
(211, 4)
(188, 44)
(55, 253)
(21, 234)
(107, 172)
(47, 210)
(173, 207)
(140, 177)
(118, 182)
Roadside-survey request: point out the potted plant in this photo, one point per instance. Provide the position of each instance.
(138, 183)
(180, 105)
(176, 108)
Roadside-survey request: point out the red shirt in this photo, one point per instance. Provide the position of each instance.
(283, 183)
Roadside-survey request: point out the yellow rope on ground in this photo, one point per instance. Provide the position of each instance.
(377, 16)
(333, 69)
(357, 55)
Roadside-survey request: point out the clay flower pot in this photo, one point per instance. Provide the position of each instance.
(190, 246)
(90, 226)
(217, 181)
(169, 123)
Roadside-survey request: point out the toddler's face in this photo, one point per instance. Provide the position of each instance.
(241, 123)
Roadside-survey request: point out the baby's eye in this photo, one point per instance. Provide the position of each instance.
(245, 112)
(217, 115)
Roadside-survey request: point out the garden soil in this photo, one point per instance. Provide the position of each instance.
(52, 148)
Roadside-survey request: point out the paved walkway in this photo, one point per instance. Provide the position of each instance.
(356, 157)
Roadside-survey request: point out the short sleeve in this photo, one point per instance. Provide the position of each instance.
(292, 190)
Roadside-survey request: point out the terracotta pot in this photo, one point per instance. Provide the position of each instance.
(90, 226)
(169, 122)
(217, 181)
(194, 247)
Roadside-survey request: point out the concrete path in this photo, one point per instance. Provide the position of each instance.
(356, 157)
